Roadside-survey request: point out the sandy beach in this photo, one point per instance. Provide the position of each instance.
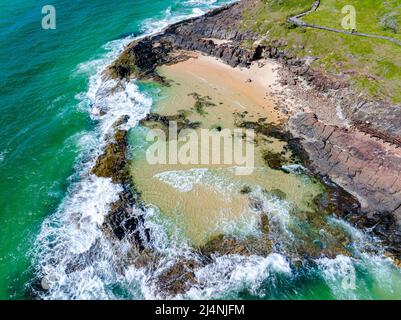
(242, 88)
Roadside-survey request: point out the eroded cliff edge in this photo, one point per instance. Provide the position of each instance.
(349, 139)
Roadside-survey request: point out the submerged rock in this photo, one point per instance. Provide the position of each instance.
(264, 224)
(246, 189)
(201, 103)
(153, 120)
(316, 238)
(141, 258)
(279, 194)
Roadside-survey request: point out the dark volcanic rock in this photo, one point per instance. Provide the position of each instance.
(142, 57)
(124, 220)
(221, 23)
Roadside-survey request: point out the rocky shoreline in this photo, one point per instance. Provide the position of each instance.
(348, 140)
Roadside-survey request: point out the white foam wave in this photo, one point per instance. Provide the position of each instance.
(368, 274)
(186, 180)
(75, 229)
(361, 241)
(183, 180)
(339, 274)
(71, 231)
(224, 277)
(2, 155)
(199, 7)
(247, 224)
(207, 3)
(295, 169)
(228, 275)
(155, 25)
(386, 276)
(200, 2)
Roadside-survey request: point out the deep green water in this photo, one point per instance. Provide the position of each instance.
(45, 127)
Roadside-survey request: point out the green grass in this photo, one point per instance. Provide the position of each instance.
(369, 14)
(373, 65)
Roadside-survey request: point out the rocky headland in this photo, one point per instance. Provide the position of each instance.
(347, 139)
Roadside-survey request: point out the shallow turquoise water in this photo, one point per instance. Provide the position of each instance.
(47, 134)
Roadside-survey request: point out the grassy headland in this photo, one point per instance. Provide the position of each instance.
(373, 65)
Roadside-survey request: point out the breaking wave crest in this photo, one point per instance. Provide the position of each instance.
(230, 274)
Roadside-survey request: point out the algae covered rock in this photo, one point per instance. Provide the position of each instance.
(226, 245)
(112, 163)
(274, 160)
(124, 66)
(201, 103)
(178, 278)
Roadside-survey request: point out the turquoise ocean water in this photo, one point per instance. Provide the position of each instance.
(49, 134)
